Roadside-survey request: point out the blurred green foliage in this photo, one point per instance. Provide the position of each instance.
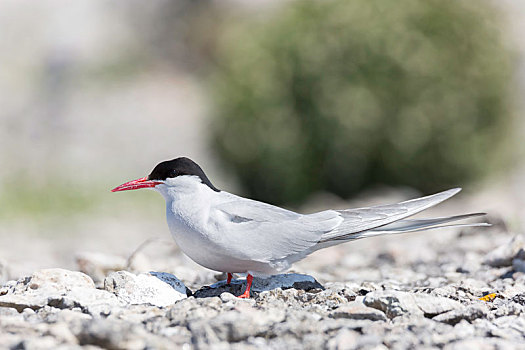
(26, 198)
(63, 199)
(339, 95)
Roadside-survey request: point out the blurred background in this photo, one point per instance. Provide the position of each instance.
(303, 104)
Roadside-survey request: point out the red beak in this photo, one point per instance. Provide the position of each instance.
(136, 184)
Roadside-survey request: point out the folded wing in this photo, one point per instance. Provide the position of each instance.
(277, 234)
(357, 221)
(267, 232)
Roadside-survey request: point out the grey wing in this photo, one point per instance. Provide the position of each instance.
(263, 232)
(357, 221)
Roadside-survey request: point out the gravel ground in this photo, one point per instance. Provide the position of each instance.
(451, 289)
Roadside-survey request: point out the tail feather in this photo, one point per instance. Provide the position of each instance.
(391, 219)
(405, 226)
(359, 220)
(418, 224)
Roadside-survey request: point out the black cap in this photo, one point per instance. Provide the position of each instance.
(180, 167)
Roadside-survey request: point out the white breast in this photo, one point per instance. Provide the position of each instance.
(187, 213)
(205, 251)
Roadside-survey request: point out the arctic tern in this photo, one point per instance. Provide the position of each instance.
(232, 234)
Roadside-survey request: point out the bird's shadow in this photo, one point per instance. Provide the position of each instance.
(238, 286)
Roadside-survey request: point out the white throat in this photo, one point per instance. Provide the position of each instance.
(181, 186)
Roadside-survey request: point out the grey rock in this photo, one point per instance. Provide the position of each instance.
(17, 332)
(520, 254)
(7, 311)
(468, 313)
(518, 265)
(54, 280)
(95, 302)
(172, 281)
(472, 286)
(155, 288)
(321, 301)
(180, 335)
(431, 305)
(507, 307)
(70, 317)
(481, 343)
(344, 339)
(236, 325)
(519, 299)
(58, 288)
(502, 256)
(283, 281)
(348, 290)
(463, 330)
(117, 334)
(392, 303)
(509, 327)
(55, 287)
(358, 311)
(226, 297)
(19, 302)
(42, 343)
(396, 303)
(180, 314)
(444, 291)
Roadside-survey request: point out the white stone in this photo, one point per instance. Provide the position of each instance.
(155, 288)
(358, 311)
(396, 303)
(58, 288)
(503, 255)
(469, 313)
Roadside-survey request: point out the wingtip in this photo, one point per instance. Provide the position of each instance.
(452, 192)
(448, 193)
(455, 190)
(438, 197)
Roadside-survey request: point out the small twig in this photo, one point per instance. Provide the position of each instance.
(139, 248)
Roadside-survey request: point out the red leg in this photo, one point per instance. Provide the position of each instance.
(229, 278)
(246, 294)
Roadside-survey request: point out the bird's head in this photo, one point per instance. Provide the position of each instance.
(170, 173)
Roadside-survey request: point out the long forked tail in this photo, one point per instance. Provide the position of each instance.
(391, 219)
(403, 226)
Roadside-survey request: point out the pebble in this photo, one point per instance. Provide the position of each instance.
(468, 313)
(504, 254)
(396, 303)
(358, 311)
(155, 288)
(389, 301)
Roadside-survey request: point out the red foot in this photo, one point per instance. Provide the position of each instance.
(229, 278)
(246, 293)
